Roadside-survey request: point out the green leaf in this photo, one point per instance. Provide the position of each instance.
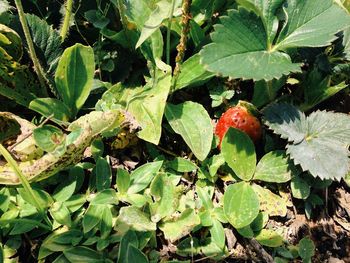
(267, 11)
(241, 204)
(193, 123)
(318, 142)
(218, 234)
(47, 42)
(266, 91)
(50, 139)
(103, 174)
(154, 21)
(300, 188)
(106, 222)
(306, 248)
(74, 76)
(258, 33)
(146, 103)
(105, 197)
(271, 203)
(286, 121)
(92, 217)
(59, 241)
(347, 179)
(50, 107)
(225, 55)
(129, 238)
(260, 221)
(163, 191)
(239, 153)
(83, 254)
(142, 176)
(274, 167)
(177, 228)
(320, 22)
(123, 181)
(318, 88)
(135, 219)
(135, 255)
(67, 188)
(182, 165)
(269, 238)
(192, 73)
(61, 214)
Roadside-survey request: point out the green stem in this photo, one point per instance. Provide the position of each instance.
(66, 22)
(24, 182)
(38, 69)
(169, 32)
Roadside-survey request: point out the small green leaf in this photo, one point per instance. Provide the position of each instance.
(269, 238)
(260, 221)
(306, 248)
(142, 176)
(74, 76)
(192, 73)
(181, 226)
(135, 255)
(123, 181)
(105, 197)
(241, 204)
(50, 139)
(97, 148)
(129, 238)
(218, 234)
(246, 231)
(53, 108)
(106, 222)
(182, 165)
(193, 123)
(266, 91)
(274, 167)
(92, 217)
(61, 214)
(154, 21)
(103, 174)
(135, 219)
(271, 203)
(239, 153)
(83, 254)
(166, 201)
(300, 188)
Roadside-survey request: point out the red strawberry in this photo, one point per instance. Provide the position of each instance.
(240, 117)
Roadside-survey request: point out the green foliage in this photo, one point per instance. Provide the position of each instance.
(241, 204)
(239, 153)
(193, 123)
(317, 142)
(261, 46)
(125, 143)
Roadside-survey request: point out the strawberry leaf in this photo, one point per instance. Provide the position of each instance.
(318, 142)
(251, 36)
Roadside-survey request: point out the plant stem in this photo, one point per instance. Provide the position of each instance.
(65, 26)
(24, 182)
(37, 67)
(169, 32)
(181, 47)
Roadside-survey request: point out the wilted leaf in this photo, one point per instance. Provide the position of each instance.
(269, 238)
(181, 226)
